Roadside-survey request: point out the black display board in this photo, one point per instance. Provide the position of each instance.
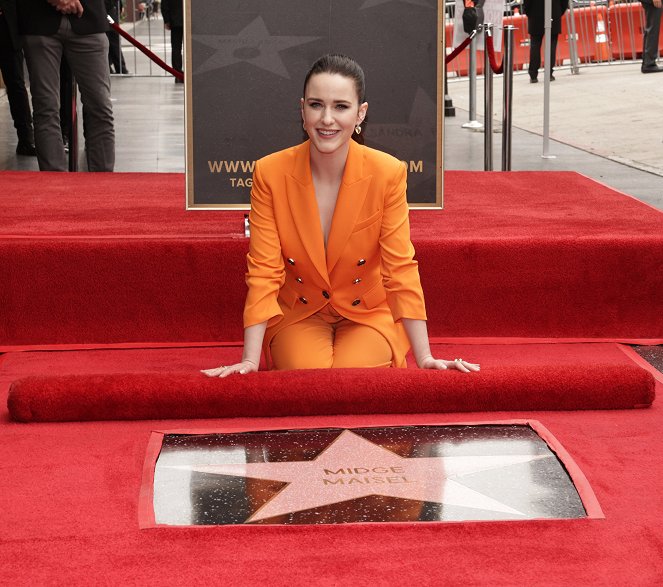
(245, 65)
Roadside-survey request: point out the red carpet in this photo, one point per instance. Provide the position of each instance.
(69, 498)
(324, 392)
(114, 259)
(504, 259)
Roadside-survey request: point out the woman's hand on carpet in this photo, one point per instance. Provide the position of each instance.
(459, 364)
(242, 368)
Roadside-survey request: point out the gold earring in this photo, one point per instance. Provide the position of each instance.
(358, 129)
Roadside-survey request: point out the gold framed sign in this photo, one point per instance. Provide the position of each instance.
(245, 66)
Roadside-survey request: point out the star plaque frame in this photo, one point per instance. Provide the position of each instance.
(510, 470)
(244, 68)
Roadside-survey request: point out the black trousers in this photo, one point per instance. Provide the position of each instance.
(651, 34)
(11, 65)
(176, 38)
(535, 43)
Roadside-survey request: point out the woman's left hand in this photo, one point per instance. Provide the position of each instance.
(464, 366)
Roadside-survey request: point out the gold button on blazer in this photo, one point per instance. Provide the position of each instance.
(368, 269)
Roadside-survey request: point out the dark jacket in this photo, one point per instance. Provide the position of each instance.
(535, 11)
(38, 17)
(172, 12)
(8, 8)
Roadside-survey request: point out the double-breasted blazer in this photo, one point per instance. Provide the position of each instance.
(367, 271)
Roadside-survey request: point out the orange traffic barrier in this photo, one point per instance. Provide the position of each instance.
(592, 41)
(625, 30)
(602, 52)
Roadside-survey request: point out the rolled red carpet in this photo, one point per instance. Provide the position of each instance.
(327, 392)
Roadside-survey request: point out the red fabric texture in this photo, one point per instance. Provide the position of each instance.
(328, 392)
(69, 498)
(504, 259)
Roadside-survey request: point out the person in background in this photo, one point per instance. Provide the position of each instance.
(115, 57)
(332, 279)
(11, 66)
(535, 12)
(651, 31)
(51, 29)
(173, 20)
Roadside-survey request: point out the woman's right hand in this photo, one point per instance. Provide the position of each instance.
(242, 368)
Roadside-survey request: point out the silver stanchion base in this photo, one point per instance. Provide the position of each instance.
(472, 124)
(548, 156)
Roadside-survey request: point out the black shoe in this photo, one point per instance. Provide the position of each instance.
(25, 148)
(533, 80)
(552, 77)
(651, 69)
(125, 71)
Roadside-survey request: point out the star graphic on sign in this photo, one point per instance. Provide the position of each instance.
(372, 3)
(253, 45)
(419, 129)
(352, 467)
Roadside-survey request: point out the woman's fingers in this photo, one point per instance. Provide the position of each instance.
(242, 368)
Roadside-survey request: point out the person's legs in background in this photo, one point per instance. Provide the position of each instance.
(534, 57)
(176, 39)
(87, 56)
(11, 66)
(43, 55)
(650, 38)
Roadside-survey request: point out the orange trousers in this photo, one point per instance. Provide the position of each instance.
(327, 340)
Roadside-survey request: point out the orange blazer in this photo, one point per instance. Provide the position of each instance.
(367, 273)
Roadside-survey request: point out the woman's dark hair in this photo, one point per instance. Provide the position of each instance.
(347, 67)
(343, 65)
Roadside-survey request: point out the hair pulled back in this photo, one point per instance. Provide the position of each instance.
(347, 67)
(342, 65)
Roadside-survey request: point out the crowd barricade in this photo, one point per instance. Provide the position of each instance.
(626, 24)
(592, 35)
(603, 34)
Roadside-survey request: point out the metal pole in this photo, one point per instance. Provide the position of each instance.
(473, 124)
(449, 109)
(73, 129)
(487, 102)
(573, 40)
(507, 108)
(547, 27)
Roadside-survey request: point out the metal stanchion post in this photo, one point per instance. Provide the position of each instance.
(473, 124)
(507, 108)
(487, 102)
(547, 27)
(449, 109)
(573, 40)
(73, 129)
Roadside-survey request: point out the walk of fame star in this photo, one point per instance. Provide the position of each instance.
(351, 467)
(253, 45)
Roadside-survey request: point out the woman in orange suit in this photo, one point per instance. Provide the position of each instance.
(332, 280)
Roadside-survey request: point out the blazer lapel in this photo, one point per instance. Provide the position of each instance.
(351, 196)
(304, 209)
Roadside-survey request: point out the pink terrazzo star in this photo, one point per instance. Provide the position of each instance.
(352, 467)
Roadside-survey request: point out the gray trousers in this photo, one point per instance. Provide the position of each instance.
(87, 56)
(651, 33)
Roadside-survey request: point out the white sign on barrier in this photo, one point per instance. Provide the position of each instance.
(493, 13)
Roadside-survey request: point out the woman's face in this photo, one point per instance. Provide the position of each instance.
(330, 111)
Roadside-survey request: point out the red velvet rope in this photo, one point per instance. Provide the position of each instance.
(146, 51)
(491, 56)
(449, 58)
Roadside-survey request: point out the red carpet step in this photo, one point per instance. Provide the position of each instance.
(114, 258)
